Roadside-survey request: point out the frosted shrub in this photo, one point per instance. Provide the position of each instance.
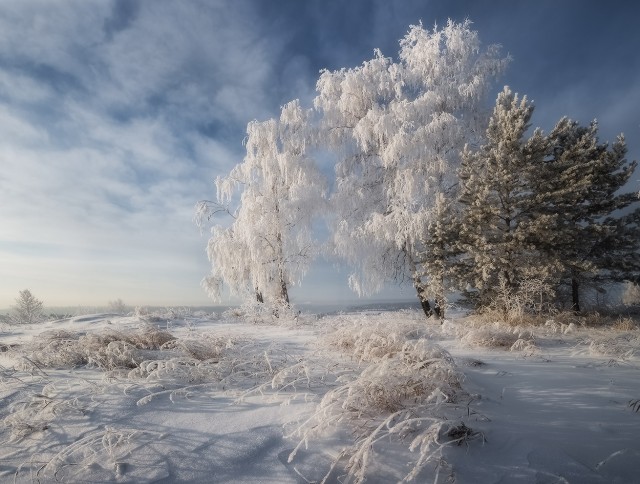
(188, 361)
(117, 349)
(54, 349)
(493, 336)
(276, 314)
(395, 394)
(108, 349)
(418, 373)
(620, 347)
(184, 370)
(631, 294)
(366, 341)
(115, 354)
(205, 348)
(498, 335)
(365, 345)
(117, 306)
(526, 304)
(625, 324)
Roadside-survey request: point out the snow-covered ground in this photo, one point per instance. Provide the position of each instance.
(374, 395)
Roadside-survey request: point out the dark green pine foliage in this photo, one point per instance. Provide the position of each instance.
(595, 236)
(500, 223)
(440, 252)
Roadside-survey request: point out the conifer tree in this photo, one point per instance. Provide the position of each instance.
(547, 208)
(579, 185)
(499, 220)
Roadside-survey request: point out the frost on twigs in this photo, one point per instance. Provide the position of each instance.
(270, 313)
(403, 393)
(106, 456)
(272, 198)
(398, 128)
(108, 349)
(36, 412)
(621, 347)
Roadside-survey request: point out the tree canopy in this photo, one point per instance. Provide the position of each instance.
(430, 187)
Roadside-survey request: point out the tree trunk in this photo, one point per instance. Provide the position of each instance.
(284, 293)
(575, 295)
(422, 297)
(424, 302)
(440, 302)
(439, 308)
(417, 283)
(259, 296)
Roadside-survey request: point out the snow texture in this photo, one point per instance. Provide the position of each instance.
(370, 396)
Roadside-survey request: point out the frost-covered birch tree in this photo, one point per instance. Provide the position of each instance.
(269, 244)
(399, 128)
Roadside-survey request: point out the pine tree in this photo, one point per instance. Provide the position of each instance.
(500, 222)
(546, 209)
(579, 184)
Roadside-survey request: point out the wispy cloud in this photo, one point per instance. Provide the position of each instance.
(107, 113)
(116, 116)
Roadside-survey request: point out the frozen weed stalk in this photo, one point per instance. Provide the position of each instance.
(106, 452)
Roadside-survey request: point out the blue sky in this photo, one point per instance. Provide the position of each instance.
(116, 117)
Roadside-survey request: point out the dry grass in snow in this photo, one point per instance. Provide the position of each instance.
(365, 396)
(402, 387)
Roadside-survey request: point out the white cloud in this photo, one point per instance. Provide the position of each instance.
(101, 151)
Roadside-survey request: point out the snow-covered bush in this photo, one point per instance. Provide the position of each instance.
(419, 372)
(175, 370)
(206, 347)
(270, 313)
(491, 336)
(108, 349)
(405, 383)
(631, 294)
(117, 306)
(56, 348)
(367, 341)
(621, 347)
(528, 304)
(624, 324)
(477, 333)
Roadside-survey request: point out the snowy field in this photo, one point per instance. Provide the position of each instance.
(375, 396)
